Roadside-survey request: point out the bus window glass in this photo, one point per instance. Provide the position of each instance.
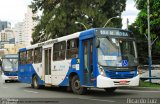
(38, 55)
(29, 56)
(59, 51)
(72, 48)
(10, 64)
(112, 52)
(23, 57)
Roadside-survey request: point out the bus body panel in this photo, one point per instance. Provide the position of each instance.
(87, 36)
(61, 77)
(38, 71)
(26, 73)
(74, 67)
(61, 70)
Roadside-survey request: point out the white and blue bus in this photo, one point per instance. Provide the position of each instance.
(100, 58)
(9, 67)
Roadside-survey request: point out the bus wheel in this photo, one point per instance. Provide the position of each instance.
(110, 90)
(35, 82)
(76, 87)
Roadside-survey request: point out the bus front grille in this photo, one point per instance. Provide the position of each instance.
(119, 75)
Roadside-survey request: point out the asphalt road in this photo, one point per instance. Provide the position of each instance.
(21, 93)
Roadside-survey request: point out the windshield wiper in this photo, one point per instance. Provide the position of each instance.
(116, 66)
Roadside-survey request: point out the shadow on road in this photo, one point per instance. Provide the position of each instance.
(102, 93)
(91, 92)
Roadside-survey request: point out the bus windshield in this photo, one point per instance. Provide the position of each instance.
(10, 64)
(117, 52)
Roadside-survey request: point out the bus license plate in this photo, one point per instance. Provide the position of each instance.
(123, 82)
(12, 77)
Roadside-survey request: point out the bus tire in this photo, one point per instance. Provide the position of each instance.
(110, 90)
(35, 82)
(76, 87)
(6, 81)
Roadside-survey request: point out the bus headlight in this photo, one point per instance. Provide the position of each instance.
(137, 72)
(134, 72)
(101, 71)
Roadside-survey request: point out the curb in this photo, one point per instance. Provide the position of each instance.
(140, 88)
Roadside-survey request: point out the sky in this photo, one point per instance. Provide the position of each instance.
(130, 12)
(14, 10)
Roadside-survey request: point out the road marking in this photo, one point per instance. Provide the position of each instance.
(31, 91)
(3, 87)
(98, 100)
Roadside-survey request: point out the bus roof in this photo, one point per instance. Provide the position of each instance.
(82, 35)
(51, 41)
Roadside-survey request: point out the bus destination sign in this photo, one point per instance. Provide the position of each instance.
(113, 33)
(10, 56)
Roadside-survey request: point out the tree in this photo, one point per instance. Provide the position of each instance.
(59, 16)
(140, 41)
(141, 22)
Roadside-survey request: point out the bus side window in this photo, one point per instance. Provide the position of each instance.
(38, 55)
(55, 51)
(30, 56)
(72, 48)
(20, 60)
(23, 57)
(59, 50)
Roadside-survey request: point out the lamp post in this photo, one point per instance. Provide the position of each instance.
(81, 24)
(149, 43)
(109, 21)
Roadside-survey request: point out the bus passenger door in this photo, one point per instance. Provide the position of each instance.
(47, 66)
(88, 62)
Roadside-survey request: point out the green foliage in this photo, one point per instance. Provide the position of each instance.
(59, 16)
(142, 23)
(142, 44)
(149, 85)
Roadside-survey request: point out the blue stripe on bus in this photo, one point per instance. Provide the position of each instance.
(10, 73)
(22, 49)
(26, 73)
(121, 75)
(65, 82)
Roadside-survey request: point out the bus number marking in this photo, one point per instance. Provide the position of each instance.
(75, 66)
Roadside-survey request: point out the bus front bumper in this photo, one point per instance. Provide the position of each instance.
(104, 82)
(9, 78)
